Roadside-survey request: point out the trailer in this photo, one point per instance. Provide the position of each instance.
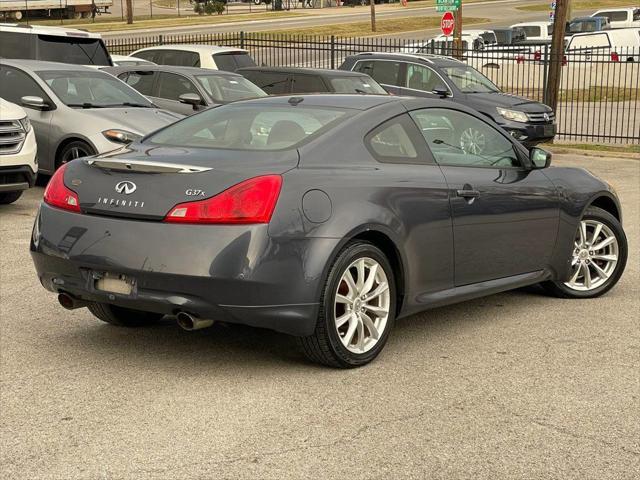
(19, 9)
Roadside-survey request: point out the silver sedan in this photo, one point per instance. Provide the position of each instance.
(77, 111)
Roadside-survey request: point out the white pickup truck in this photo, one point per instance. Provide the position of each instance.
(18, 9)
(620, 17)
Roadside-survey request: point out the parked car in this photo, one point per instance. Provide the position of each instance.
(509, 36)
(620, 17)
(186, 90)
(18, 161)
(284, 80)
(536, 32)
(616, 45)
(321, 216)
(126, 61)
(52, 44)
(433, 76)
(77, 111)
(588, 24)
(203, 56)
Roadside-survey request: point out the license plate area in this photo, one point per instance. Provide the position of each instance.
(113, 283)
(549, 130)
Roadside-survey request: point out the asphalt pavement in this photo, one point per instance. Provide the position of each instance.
(512, 386)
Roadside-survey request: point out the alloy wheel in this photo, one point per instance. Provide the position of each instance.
(361, 307)
(595, 256)
(472, 141)
(77, 151)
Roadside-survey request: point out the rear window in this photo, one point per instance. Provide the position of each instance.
(17, 45)
(258, 127)
(228, 88)
(615, 16)
(79, 51)
(232, 61)
(532, 31)
(352, 84)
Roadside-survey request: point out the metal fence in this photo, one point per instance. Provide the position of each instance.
(600, 91)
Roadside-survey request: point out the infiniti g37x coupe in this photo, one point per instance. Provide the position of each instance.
(325, 217)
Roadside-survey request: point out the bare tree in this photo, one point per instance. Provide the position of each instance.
(373, 15)
(129, 11)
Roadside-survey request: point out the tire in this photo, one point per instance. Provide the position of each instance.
(123, 317)
(594, 260)
(73, 150)
(326, 344)
(9, 197)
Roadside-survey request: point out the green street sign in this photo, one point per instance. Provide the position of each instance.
(454, 3)
(446, 8)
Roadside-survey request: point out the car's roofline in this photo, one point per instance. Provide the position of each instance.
(47, 30)
(40, 65)
(172, 69)
(196, 48)
(424, 57)
(303, 70)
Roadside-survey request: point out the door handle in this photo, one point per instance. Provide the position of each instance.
(468, 193)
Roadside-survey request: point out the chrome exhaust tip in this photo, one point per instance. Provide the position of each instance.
(70, 303)
(189, 322)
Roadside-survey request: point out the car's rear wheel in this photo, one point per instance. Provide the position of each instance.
(9, 197)
(357, 309)
(73, 150)
(598, 258)
(123, 317)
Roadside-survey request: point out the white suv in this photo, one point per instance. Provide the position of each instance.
(203, 56)
(18, 164)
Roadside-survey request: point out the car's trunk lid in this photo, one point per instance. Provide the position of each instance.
(146, 183)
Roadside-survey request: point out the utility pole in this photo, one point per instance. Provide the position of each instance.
(129, 11)
(373, 15)
(457, 33)
(557, 53)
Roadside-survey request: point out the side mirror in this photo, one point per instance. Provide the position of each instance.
(441, 91)
(34, 102)
(192, 99)
(539, 158)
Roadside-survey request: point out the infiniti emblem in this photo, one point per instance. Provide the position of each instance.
(126, 187)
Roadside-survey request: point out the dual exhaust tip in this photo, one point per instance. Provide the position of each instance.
(185, 320)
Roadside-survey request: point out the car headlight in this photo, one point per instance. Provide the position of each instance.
(120, 136)
(26, 124)
(514, 115)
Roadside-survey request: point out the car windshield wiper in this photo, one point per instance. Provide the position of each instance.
(131, 104)
(85, 105)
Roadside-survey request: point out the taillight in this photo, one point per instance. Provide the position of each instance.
(251, 201)
(58, 195)
(615, 57)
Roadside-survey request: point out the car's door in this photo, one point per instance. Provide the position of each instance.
(505, 215)
(421, 81)
(15, 84)
(169, 87)
(388, 73)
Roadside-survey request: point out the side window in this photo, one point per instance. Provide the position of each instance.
(421, 78)
(15, 84)
(457, 138)
(141, 81)
(177, 58)
(382, 71)
(308, 84)
(395, 141)
(172, 86)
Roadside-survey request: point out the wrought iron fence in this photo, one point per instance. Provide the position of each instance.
(600, 90)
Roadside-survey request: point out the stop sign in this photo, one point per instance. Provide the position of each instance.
(447, 23)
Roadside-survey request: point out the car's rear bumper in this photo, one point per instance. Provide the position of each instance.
(231, 273)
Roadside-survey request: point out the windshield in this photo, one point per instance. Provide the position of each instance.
(229, 88)
(92, 89)
(79, 51)
(231, 61)
(250, 127)
(352, 84)
(531, 31)
(469, 80)
(503, 36)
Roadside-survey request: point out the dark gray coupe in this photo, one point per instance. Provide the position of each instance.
(325, 217)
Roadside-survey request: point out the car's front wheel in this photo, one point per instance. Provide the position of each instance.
(598, 258)
(357, 309)
(123, 317)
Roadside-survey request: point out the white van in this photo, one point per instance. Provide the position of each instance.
(620, 17)
(619, 45)
(52, 44)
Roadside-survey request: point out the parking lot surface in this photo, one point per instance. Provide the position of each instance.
(516, 385)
